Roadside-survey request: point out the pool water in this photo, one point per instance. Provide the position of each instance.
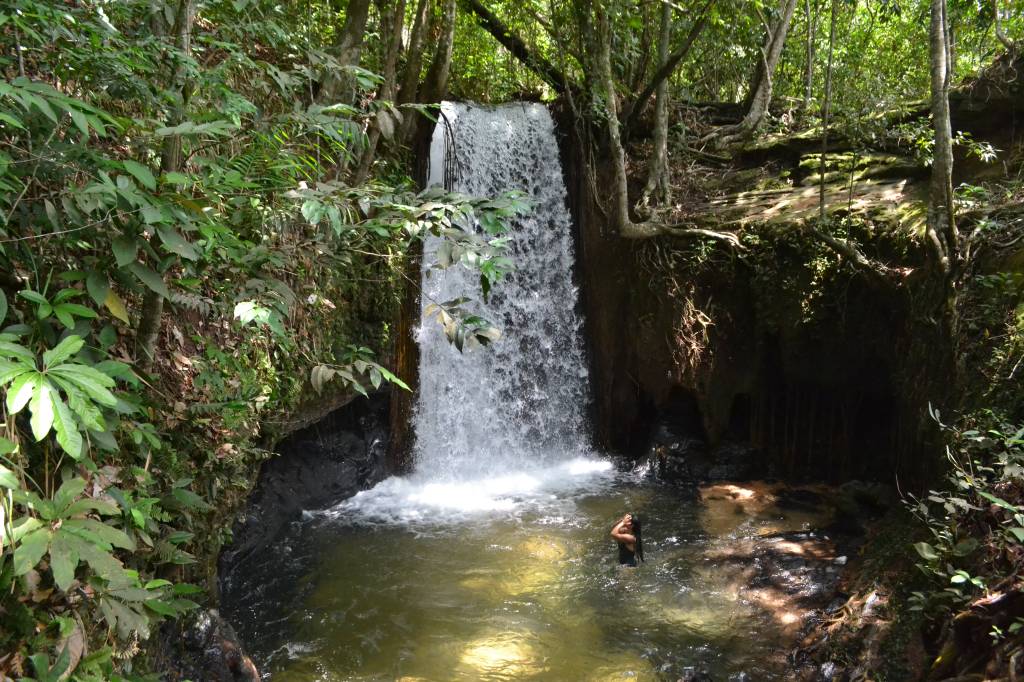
(486, 581)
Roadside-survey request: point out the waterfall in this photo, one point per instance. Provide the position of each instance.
(521, 403)
(501, 428)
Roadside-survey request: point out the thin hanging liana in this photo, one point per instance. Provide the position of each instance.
(452, 175)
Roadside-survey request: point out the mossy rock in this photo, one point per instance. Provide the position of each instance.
(862, 166)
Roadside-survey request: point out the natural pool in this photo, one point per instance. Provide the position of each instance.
(515, 578)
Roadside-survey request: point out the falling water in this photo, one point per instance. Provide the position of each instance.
(501, 427)
(521, 403)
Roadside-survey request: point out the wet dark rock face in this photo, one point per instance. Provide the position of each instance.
(315, 468)
(827, 375)
(683, 456)
(202, 646)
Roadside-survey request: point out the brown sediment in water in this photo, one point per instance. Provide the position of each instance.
(773, 555)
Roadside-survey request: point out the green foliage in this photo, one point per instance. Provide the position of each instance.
(210, 175)
(977, 524)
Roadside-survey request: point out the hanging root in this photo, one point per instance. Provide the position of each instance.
(689, 341)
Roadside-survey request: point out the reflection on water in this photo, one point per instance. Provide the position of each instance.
(530, 589)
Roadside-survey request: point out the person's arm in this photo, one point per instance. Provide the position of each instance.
(621, 536)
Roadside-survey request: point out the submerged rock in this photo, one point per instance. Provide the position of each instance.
(678, 453)
(690, 674)
(682, 455)
(202, 646)
(316, 468)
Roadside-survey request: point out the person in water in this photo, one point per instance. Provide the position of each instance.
(627, 532)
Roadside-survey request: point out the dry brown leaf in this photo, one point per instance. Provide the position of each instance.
(75, 644)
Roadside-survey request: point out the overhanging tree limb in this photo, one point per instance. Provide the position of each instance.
(514, 44)
(761, 92)
(640, 101)
(624, 225)
(1000, 33)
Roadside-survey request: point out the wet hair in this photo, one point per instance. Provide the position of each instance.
(638, 534)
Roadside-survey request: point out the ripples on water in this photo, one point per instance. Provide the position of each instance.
(515, 578)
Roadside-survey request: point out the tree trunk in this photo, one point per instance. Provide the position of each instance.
(812, 30)
(1000, 33)
(623, 224)
(148, 332)
(826, 111)
(407, 363)
(941, 221)
(632, 113)
(761, 93)
(515, 45)
(436, 84)
(659, 188)
(772, 53)
(638, 67)
(820, 231)
(339, 86)
(392, 23)
(413, 65)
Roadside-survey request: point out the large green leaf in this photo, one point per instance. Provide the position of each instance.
(20, 528)
(3, 306)
(8, 479)
(63, 560)
(33, 296)
(75, 309)
(150, 278)
(41, 407)
(124, 619)
(81, 404)
(9, 349)
(68, 493)
(998, 501)
(64, 423)
(125, 249)
(9, 371)
(141, 173)
(98, 286)
(63, 350)
(21, 391)
(30, 550)
(107, 534)
(88, 504)
(175, 243)
(94, 383)
(161, 607)
(102, 562)
(926, 551)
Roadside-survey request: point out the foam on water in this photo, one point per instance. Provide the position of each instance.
(499, 427)
(418, 500)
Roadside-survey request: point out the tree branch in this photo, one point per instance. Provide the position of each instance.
(1000, 33)
(514, 44)
(652, 228)
(666, 70)
(620, 219)
(845, 247)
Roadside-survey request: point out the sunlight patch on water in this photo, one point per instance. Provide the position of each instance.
(504, 656)
(414, 500)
